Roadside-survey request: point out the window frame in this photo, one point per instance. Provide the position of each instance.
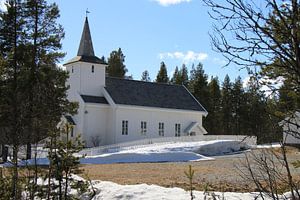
(143, 127)
(161, 129)
(124, 127)
(177, 130)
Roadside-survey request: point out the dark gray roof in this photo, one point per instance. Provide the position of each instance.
(86, 44)
(140, 93)
(89, 59)
(86, 51)
(93, 99)
(70, 120)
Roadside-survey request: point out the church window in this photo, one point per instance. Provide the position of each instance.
(93, 68)
(72, 131)
(177, 130)
(72, 69)
(143, 127)
(161, 129)
(124, 127)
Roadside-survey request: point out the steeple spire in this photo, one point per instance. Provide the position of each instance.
(86, 44)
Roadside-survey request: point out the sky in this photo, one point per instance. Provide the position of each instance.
(148, 32)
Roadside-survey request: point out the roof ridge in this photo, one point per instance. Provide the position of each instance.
(168, 84)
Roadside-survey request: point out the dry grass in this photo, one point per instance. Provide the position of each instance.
(219, 174)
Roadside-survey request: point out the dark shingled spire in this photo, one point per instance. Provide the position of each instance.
(86, 51)
(86, 44)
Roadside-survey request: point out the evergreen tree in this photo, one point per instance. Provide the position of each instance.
(175, 78)
(288, 99)
(116, 66)
(184, 75)
(226, 106)
(212, 121)
(180, 77)
(145, 76)
(31, 83)
(256, 117)
(199, 84)
(238, 101)
(63, 163)
(12, 108)
(162, 76)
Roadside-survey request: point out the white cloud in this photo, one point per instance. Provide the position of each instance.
(171, 2)
(2, 5)
(267, 85)
(185, 57)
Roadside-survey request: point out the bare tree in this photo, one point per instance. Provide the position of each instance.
(263, 38)
(262, 34)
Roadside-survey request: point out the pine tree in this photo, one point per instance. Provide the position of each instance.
(63, 163)
(162, 76)
(145, 76)
(116, 66)
(13, 108)
(31, 82)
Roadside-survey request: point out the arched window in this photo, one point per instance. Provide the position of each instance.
(72, 69)
(93, 68)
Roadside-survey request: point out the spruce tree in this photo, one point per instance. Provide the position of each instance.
(162, 76)
(198, 84)
(116, 66)
(175, 78)
(212, 121)
(180, 77)
(226, 106)
(238, 102)
(184, 74)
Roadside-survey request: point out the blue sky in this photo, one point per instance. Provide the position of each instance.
(148, 31)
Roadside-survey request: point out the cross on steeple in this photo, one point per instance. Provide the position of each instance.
(87, 12)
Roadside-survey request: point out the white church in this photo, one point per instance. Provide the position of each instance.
(113, 110)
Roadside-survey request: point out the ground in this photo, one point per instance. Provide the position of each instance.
(220, 174)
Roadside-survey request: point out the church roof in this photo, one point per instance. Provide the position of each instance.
(86, 51)
(86, 44)
(159, 95)
(70, 120)
(93, 99)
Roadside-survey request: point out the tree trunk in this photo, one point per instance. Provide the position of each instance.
(28, 151)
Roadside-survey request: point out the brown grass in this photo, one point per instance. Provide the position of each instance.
(219, 174)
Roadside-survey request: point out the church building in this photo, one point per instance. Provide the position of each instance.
(113, 110)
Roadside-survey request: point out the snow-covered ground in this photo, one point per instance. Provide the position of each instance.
(113, 191)
(171, 152)
(165, 152)
(109, 190)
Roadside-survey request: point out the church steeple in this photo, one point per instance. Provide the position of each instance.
(86, 44)
(86, 51)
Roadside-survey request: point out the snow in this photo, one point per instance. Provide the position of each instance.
(267, 146)
(166, 152)
(113, 191)
(170, 152)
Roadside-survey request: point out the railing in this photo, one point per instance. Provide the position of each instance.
(250, 140)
